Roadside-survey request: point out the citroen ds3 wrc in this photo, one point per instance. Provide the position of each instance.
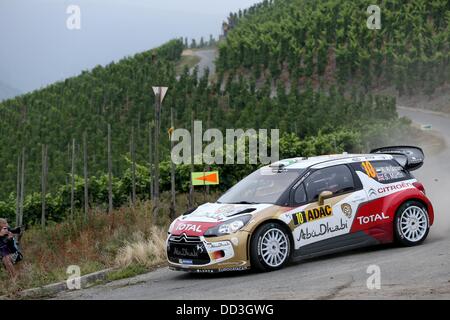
(305, 207)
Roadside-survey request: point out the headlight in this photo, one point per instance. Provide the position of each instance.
(228, 227)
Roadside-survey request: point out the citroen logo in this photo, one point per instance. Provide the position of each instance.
(372, 193)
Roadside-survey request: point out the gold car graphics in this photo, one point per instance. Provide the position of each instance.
(240, 240)
(312, 214)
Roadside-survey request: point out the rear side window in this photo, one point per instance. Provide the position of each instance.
(386, 171)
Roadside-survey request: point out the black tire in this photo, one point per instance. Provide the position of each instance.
(258, 262)
(402, 237)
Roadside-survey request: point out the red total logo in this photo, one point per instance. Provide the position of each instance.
(372, 218)
(189, 227)
(192, 228)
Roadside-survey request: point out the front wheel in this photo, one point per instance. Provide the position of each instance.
(270, 248)
(412, 223)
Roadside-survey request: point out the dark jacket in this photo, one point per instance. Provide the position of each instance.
(7, 246)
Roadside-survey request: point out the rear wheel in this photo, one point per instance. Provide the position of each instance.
(270, 247)
(412, 223)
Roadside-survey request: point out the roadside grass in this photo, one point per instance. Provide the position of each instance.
(127, 272)
(130, 239)
(142, 250)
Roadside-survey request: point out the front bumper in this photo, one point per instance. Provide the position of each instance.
(208, 255)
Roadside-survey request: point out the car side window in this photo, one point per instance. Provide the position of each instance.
(337, 179)
(384, 171)
(300, 195)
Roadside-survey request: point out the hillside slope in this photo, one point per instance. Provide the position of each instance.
(328, 41)
(311, 121)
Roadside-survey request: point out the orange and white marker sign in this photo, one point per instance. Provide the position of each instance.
(205, 178)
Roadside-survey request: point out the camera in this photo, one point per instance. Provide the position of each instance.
(15, 230)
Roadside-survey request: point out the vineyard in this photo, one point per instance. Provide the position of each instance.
(321, 46)
(328, 41)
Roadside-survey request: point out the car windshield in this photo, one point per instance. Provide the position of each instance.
(262, 186)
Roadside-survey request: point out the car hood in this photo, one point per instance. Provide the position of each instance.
(210, 215)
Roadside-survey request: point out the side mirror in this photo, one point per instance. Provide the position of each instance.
(324, 195)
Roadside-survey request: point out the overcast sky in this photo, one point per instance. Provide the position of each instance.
(37, 48)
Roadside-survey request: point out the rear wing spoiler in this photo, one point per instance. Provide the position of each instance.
(410, 158)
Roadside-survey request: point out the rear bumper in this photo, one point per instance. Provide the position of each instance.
(208, 255)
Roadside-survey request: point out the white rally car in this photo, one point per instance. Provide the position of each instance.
(305, 207)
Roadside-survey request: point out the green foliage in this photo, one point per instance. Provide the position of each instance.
(7, 209)
(58, 202)
(323, 47)
(307, 38)
(311, 121)
(119, 94)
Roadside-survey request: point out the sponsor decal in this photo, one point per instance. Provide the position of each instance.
(372, 193)
(359, 199)
(189, 227)
(395, 187)
(369, 169)
(185, 261)
(347, 210)
(312, 215)
(218, 244)
(324, 229)
(372, 218)
(233, 269)
(204, 271)
(185, 252)
(200, 248)
(390, 173)
(228, 208)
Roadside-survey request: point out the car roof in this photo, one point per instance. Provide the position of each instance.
(319, 162)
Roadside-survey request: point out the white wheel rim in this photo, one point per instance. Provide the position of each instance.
(274, 247)
(413, 223)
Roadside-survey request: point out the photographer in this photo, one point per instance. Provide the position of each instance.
(8, 252)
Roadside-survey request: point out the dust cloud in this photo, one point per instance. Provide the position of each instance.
(435, 174)
(436, 179)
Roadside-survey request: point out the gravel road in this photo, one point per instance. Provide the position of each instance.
(207, 58)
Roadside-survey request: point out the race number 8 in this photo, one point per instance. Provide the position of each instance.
(369, 169)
